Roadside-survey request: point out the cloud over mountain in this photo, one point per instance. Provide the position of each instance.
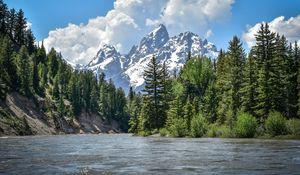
(129, 20)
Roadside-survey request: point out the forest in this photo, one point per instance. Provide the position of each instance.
(239, 94)
(27, 69)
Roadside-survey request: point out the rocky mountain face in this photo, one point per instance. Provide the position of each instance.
(127, 70)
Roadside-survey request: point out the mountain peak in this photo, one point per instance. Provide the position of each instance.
(106, 51)
(107, 47)
(161, 29)
(156, 38)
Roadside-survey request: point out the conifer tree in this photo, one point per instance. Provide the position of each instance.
(52, 63)
(210, 103)
(153, 96)
(263, 55)
(237, 62)
(20, 28)
(7, 65)
(134, 107)
(35, 78)
(249, 93)
(3, 18)
(164, 89)
(74, 94)
(223, 85)
(188, 113)
(55, 89)
(292, 73)
(23, 71)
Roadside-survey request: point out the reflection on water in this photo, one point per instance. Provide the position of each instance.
(125, 154)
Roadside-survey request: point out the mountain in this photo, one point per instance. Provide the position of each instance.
(127, 70)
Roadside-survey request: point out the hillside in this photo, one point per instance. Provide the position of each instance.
(23, 116)
(40, 93)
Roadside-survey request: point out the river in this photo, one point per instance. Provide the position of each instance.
(126, 154)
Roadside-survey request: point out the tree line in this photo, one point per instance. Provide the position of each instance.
(236, 95)
(26, 68)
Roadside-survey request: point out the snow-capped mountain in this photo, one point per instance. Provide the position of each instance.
(127, 70)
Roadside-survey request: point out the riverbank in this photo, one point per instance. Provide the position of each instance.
(22, 116)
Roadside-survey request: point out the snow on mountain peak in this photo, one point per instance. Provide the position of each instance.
(127, 70)
(105, 52)
(154, 40)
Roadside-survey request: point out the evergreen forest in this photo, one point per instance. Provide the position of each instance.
(239, 94)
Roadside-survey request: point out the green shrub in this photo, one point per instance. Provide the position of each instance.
(144, 133)
(178, 128)
(163, 132)
(215, 130)
(275, 124)
(212, 130)
(154, 131)
(198, 126)
(293, 126)
(245, 126)
(224, 131)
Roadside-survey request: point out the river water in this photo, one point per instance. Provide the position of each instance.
(126, 154)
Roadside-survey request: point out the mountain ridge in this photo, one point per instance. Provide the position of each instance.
(127, 69)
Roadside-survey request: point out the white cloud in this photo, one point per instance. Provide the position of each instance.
(208, 34)
(28, 25)
(290, 28)
(129, 20)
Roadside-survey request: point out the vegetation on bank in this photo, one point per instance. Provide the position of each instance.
(237, 95)
(57, 89)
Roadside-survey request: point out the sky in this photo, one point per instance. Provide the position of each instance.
(78, 28)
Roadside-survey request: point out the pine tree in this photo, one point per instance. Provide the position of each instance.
(29, 41)
(134, 111)
(103, 101)
(153, 96)
(43, 72)
(23, 71)
(188, 113)
(249, 93)
(210, 103)
(12, 24)
(224, 90)
(7, 65)
(3, 18)
(94, 97)
(55, 89)
(164, 90)
(176, 111)
(264, 55)
(279, 75)
(41, 54)
(52, 63)
(237, 62)
(35, 78)
(74, 94)
(146, 121)
(121, 109)
(20, 28)
(292, 73)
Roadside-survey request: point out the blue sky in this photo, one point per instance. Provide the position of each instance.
(231, 18)
(46, 15)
